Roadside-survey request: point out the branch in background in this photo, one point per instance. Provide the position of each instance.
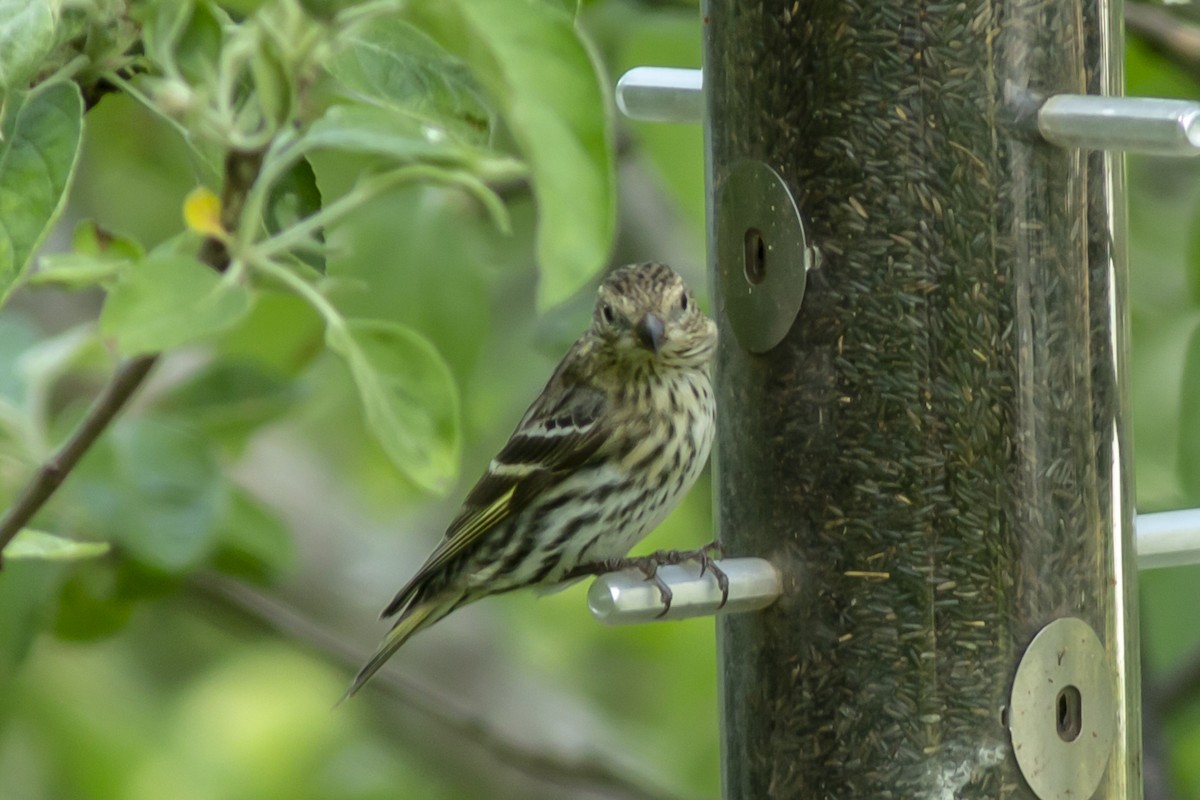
(448, 732)
(1167, 33)
(241, 169)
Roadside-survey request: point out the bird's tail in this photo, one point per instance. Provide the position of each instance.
(415, 617)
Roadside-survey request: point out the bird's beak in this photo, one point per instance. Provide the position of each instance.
(650, 332)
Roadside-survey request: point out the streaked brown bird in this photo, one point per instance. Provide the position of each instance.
(613, 442)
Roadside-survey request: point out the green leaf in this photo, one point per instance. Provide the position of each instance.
(293, 197)
(38, 152)
(169, 300)
(73, 271)
(153, 488)
(544, 78)
(186, 34)
(27, 588)
(26, 38)
(18, 334)
(230, 399)
(90, 604)
(381, 132)
(282, 334)
(326, 9)
(252, 542)
(377, 133)
(90, 239)
(45, 363)
(388, 246)
(162, 26)
(272, 87)
(34, 544)
(408, 395)
(98, 256)
(30, 366)
(392, 64)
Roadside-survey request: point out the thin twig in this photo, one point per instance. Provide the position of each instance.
(241, 169)
(592, 775)
(50, 475)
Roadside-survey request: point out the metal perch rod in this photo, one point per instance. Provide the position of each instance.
(1164, 539)
(626, 597)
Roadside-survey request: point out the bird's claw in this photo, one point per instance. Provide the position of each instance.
(649, 567)
(709, 564)
(706, 557)
(664, 592)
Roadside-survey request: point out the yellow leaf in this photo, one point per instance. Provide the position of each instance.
(202, 212)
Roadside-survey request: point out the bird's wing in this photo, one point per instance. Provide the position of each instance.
(563, 428)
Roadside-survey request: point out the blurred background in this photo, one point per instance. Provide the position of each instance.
(127, 678)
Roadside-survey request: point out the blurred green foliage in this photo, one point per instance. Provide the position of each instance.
(308, 405)
(312, 395)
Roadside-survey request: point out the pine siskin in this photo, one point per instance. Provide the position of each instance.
(616, 438)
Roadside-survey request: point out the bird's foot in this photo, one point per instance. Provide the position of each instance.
(707, 557)
(648, 565)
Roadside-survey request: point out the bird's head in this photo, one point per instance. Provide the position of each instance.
(645, 311)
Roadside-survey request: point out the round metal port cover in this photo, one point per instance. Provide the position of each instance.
(762, 255)
(1062, 714)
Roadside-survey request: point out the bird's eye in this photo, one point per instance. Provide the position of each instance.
(606, 311)
(683, 302)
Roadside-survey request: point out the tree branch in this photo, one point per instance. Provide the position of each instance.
(508, 768)
(241, 169)
(50, 475)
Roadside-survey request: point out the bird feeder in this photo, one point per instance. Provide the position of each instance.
(917, 248)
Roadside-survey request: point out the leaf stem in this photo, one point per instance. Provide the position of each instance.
(333, 318)
(67, 71)
(366, 12)
(283, 153)
(301, 233)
